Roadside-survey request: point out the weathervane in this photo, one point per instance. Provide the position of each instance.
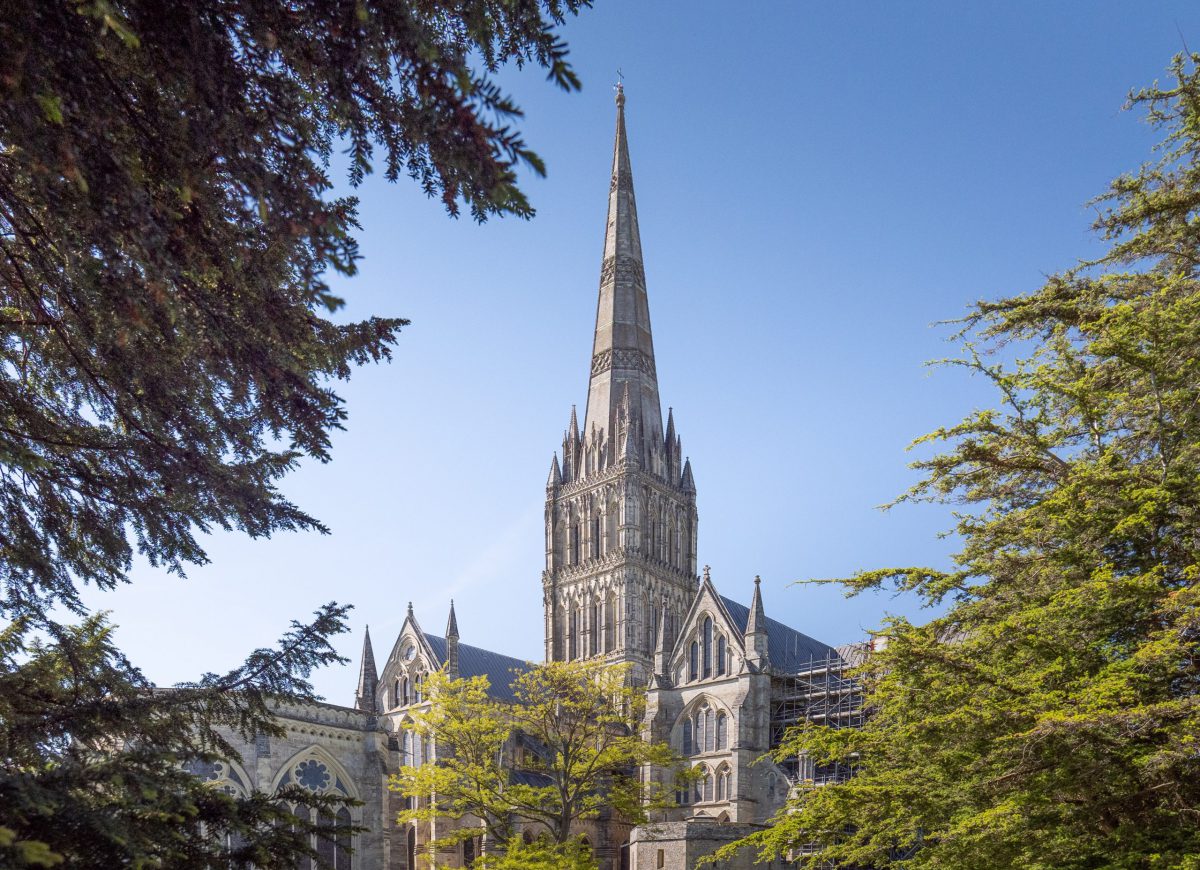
(620, 87)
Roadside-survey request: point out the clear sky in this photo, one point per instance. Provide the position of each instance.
(817, 184)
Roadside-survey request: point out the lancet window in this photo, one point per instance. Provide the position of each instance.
(707, 641)
(723, 782)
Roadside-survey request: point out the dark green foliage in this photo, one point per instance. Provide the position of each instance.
(1051, 718)
(167, 346)
(94, 757)
(163, 236)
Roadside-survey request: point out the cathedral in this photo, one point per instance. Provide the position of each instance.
(621, 585)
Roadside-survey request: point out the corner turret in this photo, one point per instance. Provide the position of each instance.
(452, 643)
(756, 629)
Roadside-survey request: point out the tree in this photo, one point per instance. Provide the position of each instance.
(566, 748)
(168, 340)
(1050, 718)
(165, 229)
(98, 766)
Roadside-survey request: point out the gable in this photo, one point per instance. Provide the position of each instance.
(707, 605)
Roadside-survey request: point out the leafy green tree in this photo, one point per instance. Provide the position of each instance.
(1051, 717)
(571, 734)
(168, 344)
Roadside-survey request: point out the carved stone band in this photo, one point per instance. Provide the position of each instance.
(622, 358)
(625, 269)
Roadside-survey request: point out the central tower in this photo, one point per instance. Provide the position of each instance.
(621, 506)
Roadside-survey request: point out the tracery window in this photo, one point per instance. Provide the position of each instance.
(694, 662)
(223, 777)
(722, 727)
(333, 845)
(721, 656)
(688, 748)
(723, 783)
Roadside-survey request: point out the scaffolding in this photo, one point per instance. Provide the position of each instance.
(820, 692)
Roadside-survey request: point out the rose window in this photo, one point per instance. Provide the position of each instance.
(209, 771)
(312, 775)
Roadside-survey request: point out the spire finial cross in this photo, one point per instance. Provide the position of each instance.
(620, 88)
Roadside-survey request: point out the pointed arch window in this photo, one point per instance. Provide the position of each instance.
(572, 633)
(694, 662)
(595, 543)
(723, 783)
(721, 656)
(688, 748)
(722, 727)
(708, 642)
(610, 622)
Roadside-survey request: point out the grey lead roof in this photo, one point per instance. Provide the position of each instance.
(787, 648)
(476, 662)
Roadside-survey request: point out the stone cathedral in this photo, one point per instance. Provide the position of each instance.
(621, 585)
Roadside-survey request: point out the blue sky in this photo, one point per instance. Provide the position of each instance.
(817, 184)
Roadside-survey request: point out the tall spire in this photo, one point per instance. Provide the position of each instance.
(368, 678)
(623, 348)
